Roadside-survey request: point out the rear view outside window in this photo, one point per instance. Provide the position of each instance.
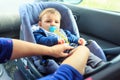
(111, 5)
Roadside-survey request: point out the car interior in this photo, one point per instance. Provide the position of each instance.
(99, 25)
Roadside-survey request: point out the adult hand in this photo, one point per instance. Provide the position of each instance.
(58, 50)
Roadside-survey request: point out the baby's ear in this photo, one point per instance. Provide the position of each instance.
(39, 23)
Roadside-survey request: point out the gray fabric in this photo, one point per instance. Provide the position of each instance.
(93, 60)
(49, 68)
(96, 49)
(88, 69)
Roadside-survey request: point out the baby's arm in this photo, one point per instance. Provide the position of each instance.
(41, 38)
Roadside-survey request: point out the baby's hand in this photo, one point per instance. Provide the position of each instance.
(82, 41)
(61, 41)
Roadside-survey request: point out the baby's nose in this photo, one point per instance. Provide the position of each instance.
(52, 23)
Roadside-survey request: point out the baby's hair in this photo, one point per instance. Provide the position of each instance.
(49, 11)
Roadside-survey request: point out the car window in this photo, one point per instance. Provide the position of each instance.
(109, 5)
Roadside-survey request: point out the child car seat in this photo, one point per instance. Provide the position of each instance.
(29, 13)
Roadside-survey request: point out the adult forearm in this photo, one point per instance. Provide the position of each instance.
(23, 49)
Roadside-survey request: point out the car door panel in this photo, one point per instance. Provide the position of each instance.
(101, 26)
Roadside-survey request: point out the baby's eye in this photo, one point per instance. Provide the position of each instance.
(56, 21)
(47, 21)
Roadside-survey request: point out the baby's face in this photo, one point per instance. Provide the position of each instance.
(50, 20)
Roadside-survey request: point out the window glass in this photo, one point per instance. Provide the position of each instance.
(111, 5)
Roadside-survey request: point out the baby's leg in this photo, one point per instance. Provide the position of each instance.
(88, 69)
(94, 61)
(96, 49)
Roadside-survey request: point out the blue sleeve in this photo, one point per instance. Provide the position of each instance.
(6, 46)
(41, 38)
(71, 37)
(64, 72)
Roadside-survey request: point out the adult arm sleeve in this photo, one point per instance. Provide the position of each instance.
(6, 46)
(64, 72)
